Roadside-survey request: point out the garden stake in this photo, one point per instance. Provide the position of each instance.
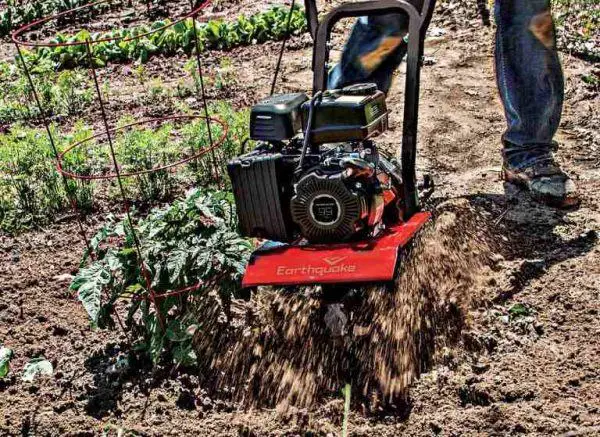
(286, 35)
(72, 200)
(204, 102)
(136, 241)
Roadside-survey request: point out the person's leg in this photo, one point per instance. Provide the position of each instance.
(372, 53)
(531, 86)
(528, 71)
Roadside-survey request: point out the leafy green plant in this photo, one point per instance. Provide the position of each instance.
(62, 93)
(32, 189)
(518, 310)
(194, 136)
(17, 13)
(35, 367)
(215, 34)
(143, 149)
(6, 355)
(225, 75)
(70, 93)
(190, 243)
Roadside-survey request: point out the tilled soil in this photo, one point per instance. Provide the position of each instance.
(500, 298)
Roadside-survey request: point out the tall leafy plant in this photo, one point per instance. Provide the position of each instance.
(189, 244)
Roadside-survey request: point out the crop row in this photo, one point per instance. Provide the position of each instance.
(64, 93)
(31, 189)
(17, 14)
(178, 38)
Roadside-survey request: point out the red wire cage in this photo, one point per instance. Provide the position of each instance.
(19, 39)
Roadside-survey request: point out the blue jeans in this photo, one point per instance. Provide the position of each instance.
(528, 71)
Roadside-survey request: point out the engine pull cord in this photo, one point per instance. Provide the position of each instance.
(313, 102)
(286, 36)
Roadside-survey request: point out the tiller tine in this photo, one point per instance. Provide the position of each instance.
(373, 260)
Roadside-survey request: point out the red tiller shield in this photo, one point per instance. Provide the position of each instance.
(363, 261)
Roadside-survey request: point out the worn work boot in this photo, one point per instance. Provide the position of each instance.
(535, 169)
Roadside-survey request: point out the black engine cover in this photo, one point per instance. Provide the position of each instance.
(326, 210)
(262, 187)
(352, 114)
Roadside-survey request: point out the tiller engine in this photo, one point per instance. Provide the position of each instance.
(335, 209)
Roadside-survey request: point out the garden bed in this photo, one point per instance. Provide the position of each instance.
(514, 342)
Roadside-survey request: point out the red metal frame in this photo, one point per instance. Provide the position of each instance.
(18, 38)
(372, 260)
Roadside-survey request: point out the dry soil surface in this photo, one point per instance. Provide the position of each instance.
(515, 350)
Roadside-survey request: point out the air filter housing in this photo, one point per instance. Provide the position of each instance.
(277, 118)
(262, 186)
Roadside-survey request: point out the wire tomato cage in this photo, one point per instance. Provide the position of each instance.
(19, 40)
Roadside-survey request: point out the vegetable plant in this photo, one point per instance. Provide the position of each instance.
(215, 34)
(190, 243)
(32, 188)
(32, 191)
(18, 13)
(62, 93)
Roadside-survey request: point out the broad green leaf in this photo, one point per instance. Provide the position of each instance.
(5, 356)
(176, 263)
(113, 261)
(89, 283)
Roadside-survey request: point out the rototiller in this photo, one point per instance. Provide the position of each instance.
(335, 209)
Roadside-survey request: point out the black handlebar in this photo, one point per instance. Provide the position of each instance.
(312, 16)
(419, 15)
